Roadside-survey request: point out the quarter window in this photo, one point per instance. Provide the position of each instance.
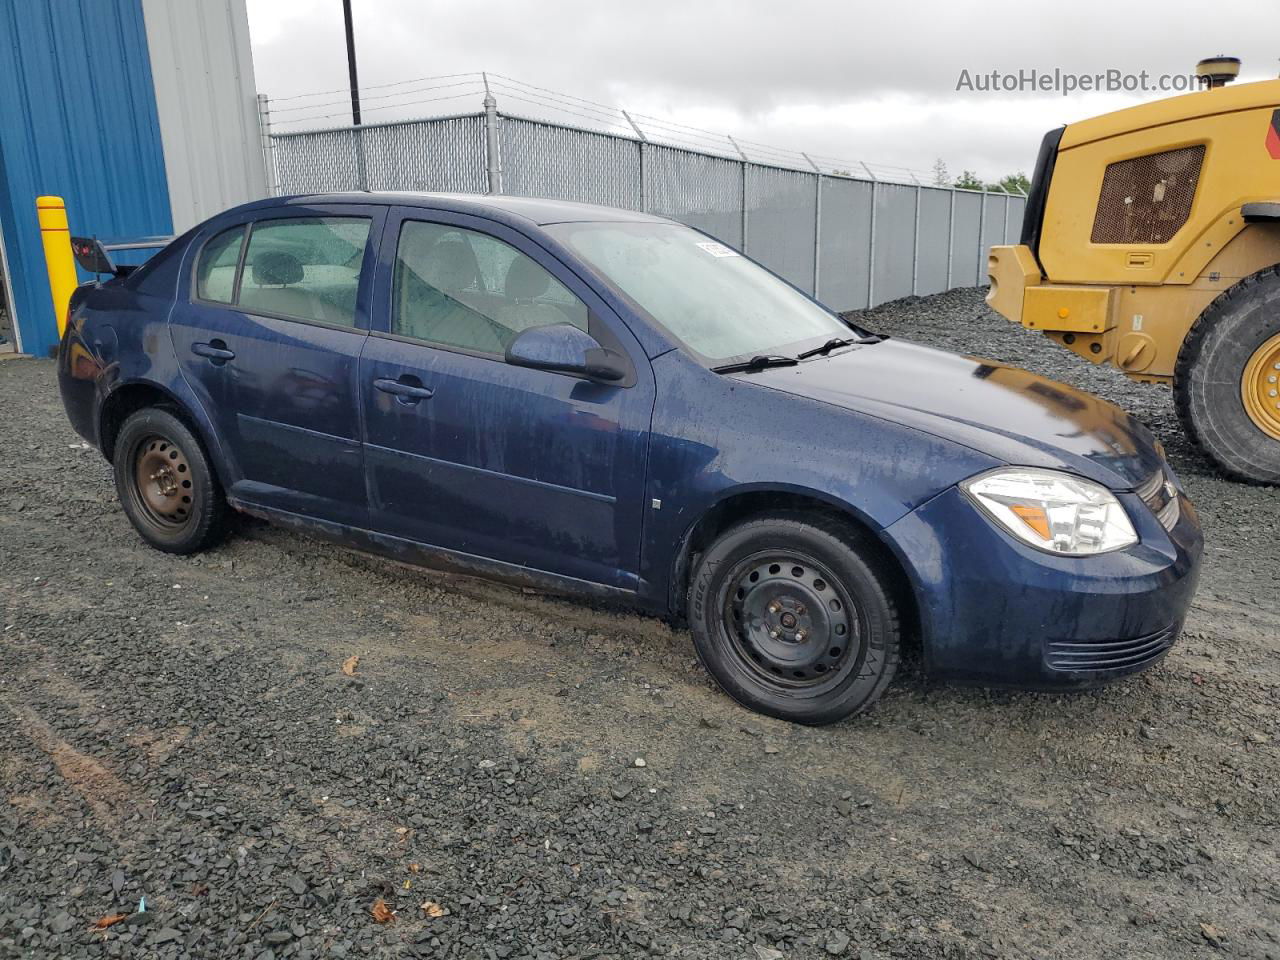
(305, 267)
(216, 273)
(467, 290)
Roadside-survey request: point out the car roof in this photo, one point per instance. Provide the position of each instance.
(531, 209)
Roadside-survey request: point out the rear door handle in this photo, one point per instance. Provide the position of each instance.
(408, 392)
(215, 350)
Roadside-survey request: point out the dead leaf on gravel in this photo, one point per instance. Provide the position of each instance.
(349, 665)
(110, 920)
(434, 910)
(1210, 933)
(382, 913)
(414, 868)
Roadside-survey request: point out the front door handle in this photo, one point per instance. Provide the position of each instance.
(408, 389)
(215, 350)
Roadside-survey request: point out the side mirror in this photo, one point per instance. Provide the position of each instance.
(564, 348)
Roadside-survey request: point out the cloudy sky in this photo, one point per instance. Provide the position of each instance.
(852, 81)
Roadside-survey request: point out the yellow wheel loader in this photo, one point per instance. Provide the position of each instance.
(1151, 241)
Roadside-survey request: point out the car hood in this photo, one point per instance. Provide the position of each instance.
(1005, 412)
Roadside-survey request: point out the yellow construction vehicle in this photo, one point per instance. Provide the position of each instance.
(1152, 241)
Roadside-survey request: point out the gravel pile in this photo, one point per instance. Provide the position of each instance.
(502, 774)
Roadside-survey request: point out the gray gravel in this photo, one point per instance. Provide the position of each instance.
(181, 730)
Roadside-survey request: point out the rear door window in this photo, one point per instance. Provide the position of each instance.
(305, 268)
(216, 273)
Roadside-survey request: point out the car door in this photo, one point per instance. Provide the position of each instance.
(463, 451)
(269, 335)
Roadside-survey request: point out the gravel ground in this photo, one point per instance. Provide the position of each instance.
(520, 776)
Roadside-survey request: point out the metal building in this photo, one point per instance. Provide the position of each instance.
(140, 113)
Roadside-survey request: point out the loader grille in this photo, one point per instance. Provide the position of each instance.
(1147, 199)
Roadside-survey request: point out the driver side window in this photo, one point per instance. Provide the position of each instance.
(465, 290)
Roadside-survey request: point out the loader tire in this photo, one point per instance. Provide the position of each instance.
(1226, 383)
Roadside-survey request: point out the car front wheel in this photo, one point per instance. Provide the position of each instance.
(793, 618)
(165, 483)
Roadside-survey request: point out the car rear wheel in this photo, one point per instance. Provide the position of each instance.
(794, 618)
(166, 485)
(1227, 381)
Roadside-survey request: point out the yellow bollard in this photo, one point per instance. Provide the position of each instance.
(57, 255)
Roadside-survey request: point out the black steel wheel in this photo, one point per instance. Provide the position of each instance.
(793, 623)
(792, 617)
(165, 483)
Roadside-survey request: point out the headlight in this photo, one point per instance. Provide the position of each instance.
(1053, 511)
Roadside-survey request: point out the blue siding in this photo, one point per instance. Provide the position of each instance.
(78, 120)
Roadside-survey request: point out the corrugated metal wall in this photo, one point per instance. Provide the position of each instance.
(207, 104)
(141, 114)
(77, 119)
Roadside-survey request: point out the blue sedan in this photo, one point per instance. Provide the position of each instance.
(610, 404)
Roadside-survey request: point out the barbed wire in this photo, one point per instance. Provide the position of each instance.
(601, 117)
(383, 96)
(389, 106)
(377, 86)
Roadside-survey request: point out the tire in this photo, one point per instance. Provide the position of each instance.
(166, 485)
(1231, 349)
(793, 616)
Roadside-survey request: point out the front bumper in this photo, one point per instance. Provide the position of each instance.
(995, 611)
(1018, 291)
(1084, 318)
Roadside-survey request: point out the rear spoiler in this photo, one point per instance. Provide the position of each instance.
(94, 255)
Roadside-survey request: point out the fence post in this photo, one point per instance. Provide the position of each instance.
(268, 146)
(951, 235)
(982, 228)
(492, 158)
(915, 243)
(817, 223)
(871, 246)
(1004, 237)
(643, 139)
(745, 215)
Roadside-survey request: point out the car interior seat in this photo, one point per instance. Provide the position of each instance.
(525, 282)
(273, 290)
(435, 281)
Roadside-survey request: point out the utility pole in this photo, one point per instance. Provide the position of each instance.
(351, 64)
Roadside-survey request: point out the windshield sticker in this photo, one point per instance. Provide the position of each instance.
(717, 249)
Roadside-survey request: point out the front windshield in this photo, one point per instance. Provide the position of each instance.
(715, 301)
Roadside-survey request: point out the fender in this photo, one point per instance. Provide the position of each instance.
(180, 396)
(132, 346)
(742, 500)
(1262, 211)
(1218, 236)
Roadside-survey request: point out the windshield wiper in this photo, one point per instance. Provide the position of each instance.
(827, 347)
(759, 362)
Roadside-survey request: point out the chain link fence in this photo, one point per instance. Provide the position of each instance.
(852, 242)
